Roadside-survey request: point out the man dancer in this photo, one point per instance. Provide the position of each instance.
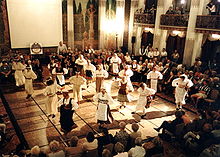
(29, 77)
(19, 76)
(182, 84)
(154, 76)
(77, 81)
(143, 92)
(100, 74)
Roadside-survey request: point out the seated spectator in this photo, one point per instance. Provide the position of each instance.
(135, 133)
(106, 153)
(138, 150)
(119, 149)
(122, 136)
(171, 125)
(200, 140)
(91, 143)
(203, 92)
(55, 149)
(75, 149)
(177, 11)
(170, 11)
(104, 140)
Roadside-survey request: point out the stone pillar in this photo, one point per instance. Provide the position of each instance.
(141, 4)
(191, 35)
(134, 7)
(160, 35)
(70, 24)
(120, 7)
(102, 10)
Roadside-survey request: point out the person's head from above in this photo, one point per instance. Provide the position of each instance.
(28, 68)
(122, 125)
(170, 8)
(178, 114)
(80, 56)
(65, 94)
(105, 131)
(35, 151)
(160, 64)
(123, 79)
(135, 127)
(74, 141)
(60, 43)
(207, 127)
(154, 69)
(126, 67)
(90, 137)
(106, 153)
(138, 141)
(54, 146)
(127, 54)
(103, 90)
(119, 147)
(182, 77)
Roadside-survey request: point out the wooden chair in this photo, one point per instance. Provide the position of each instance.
(213, 97)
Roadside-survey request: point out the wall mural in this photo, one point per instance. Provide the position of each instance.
(4, 29)
(85, 23)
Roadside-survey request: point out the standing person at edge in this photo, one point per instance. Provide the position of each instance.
(154, 76)
(29, 77)
(115, 61)
(77, 81)
(127, 73)
(182, 84)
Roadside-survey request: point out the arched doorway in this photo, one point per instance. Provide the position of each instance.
(176, 42)
(147, 38)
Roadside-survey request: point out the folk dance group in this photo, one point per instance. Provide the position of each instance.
(86, 73)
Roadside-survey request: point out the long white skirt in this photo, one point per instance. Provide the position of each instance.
(180, 94)
(19, 78)
(29, 86)
(153, 84)
(141, 103)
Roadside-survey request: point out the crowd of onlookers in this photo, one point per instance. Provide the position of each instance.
(199, 135)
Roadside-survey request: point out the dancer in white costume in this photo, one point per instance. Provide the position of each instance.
(19, 76)
(100, 74)
(127, 73)
(52, 100)
(29, 77)
(143, 92)
(103, 109)
(182, 84)
(115, 61)
(154, 76)
(77, 81)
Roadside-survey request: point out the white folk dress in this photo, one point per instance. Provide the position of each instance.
(128, 73)
(180, 93)
(104, 100)
(29, 77)
(115, 61)
(153, 77)
(142, 100)
(19, 76)
(52, 100)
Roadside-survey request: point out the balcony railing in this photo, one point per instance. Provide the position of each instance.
(144, 18)
(174, 20)
(208, 22)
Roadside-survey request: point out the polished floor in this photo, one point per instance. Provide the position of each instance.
(38, 129)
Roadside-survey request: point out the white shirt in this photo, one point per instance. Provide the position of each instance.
(101, 73)
(154, 75)
(137, 151)
(80, 61)
(67, 101)
(124, 154)
(163, 53)
(156, 53)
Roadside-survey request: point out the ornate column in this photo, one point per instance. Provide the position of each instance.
(138, 40)
(160, 35)
(191, 35)
(102, 10)
(70, 23)
(120, 7)
(134, 6)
